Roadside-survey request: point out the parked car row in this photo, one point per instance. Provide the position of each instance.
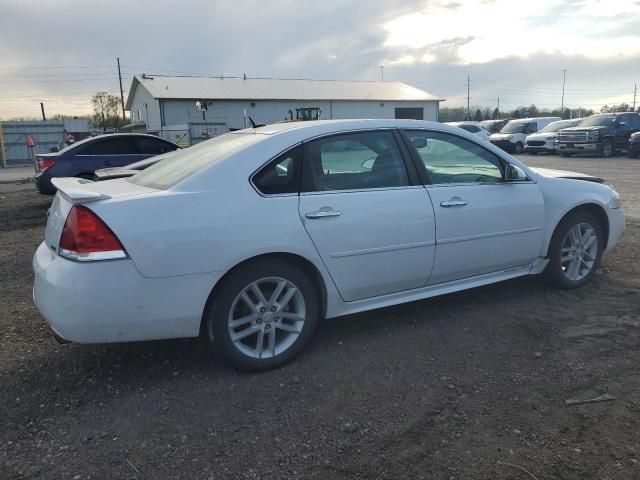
(603, 134)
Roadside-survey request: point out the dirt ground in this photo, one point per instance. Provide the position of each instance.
(471, 385)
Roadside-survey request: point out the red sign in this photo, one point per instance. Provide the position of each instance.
(30, 142)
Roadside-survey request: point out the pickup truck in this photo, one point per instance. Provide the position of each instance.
(602, 134)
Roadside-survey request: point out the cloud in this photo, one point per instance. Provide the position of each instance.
(430, 43)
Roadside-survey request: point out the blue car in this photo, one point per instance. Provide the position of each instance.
(82, 159)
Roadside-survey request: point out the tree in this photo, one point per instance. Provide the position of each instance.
(623, 107)
(478, 116)
(496, 114)
(105, 110)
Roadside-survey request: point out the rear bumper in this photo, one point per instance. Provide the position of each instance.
(43, 184)
(109, 301)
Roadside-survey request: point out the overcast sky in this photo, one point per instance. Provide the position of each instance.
(62, 51)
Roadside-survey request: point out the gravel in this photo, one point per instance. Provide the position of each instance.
(468, 385)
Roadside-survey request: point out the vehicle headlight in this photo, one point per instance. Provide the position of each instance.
(615, 199)
(593, 135)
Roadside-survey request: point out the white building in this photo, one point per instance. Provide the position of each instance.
(167, 104)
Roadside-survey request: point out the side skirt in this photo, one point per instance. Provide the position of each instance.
(346, 308)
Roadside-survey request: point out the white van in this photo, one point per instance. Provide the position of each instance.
(512, 136)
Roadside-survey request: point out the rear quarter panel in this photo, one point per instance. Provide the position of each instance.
(210, 222)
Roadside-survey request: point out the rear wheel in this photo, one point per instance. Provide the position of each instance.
(517, 148)
(263, 315)
(607, 149)
(575, 251)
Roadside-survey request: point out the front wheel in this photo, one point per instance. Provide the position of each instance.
(262, 315)
(575, 251)
(607, 149)
(518, 147)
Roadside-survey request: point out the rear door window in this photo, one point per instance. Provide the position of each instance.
(153, 146)
(354, 161)
(282, 175)
(113, 146)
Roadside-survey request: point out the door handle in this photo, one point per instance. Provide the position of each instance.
(454, 202)
(322, 213)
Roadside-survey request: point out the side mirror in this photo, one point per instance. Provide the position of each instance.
(419, 142)
(367, 164)
(514, 173)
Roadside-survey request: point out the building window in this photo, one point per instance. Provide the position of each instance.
(410, 113)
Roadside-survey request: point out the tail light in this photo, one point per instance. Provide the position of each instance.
(44, 163)
(85, 237)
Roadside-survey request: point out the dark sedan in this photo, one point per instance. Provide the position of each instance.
(128, 170)
(82, 159)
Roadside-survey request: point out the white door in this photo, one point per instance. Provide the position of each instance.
(484, 224)
(374, 230)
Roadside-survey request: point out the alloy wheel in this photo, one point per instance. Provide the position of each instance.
(579, 251)
(266, 317)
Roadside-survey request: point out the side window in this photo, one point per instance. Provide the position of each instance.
(531, 127)
(354, 161)
(635, 121)
(152, 146)
(449, 159)
(281, 175)
(470, 128)
(113, 146)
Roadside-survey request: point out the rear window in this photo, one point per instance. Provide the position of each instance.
(184, 163)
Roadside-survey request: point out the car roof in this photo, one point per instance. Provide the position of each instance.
(320, 127)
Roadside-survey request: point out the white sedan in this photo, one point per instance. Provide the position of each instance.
(250, 238)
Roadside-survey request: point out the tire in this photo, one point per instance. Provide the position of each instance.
(517, 148)
(565, 154)
(607, 149)
(633, 155)
(559, 271)
(255, 351)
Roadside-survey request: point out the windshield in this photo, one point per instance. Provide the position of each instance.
(555, 126)
(185, 163)
(598, 121)
(514, 127)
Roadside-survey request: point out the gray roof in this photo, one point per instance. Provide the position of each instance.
(237, 88)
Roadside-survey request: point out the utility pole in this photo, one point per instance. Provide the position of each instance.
(468, 98)
(121, 92)
(635, 91)
(44, 118)
(498, 109)
(564, 78)
(382, 73)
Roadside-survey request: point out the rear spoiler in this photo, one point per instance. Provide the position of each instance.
(77, 190)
